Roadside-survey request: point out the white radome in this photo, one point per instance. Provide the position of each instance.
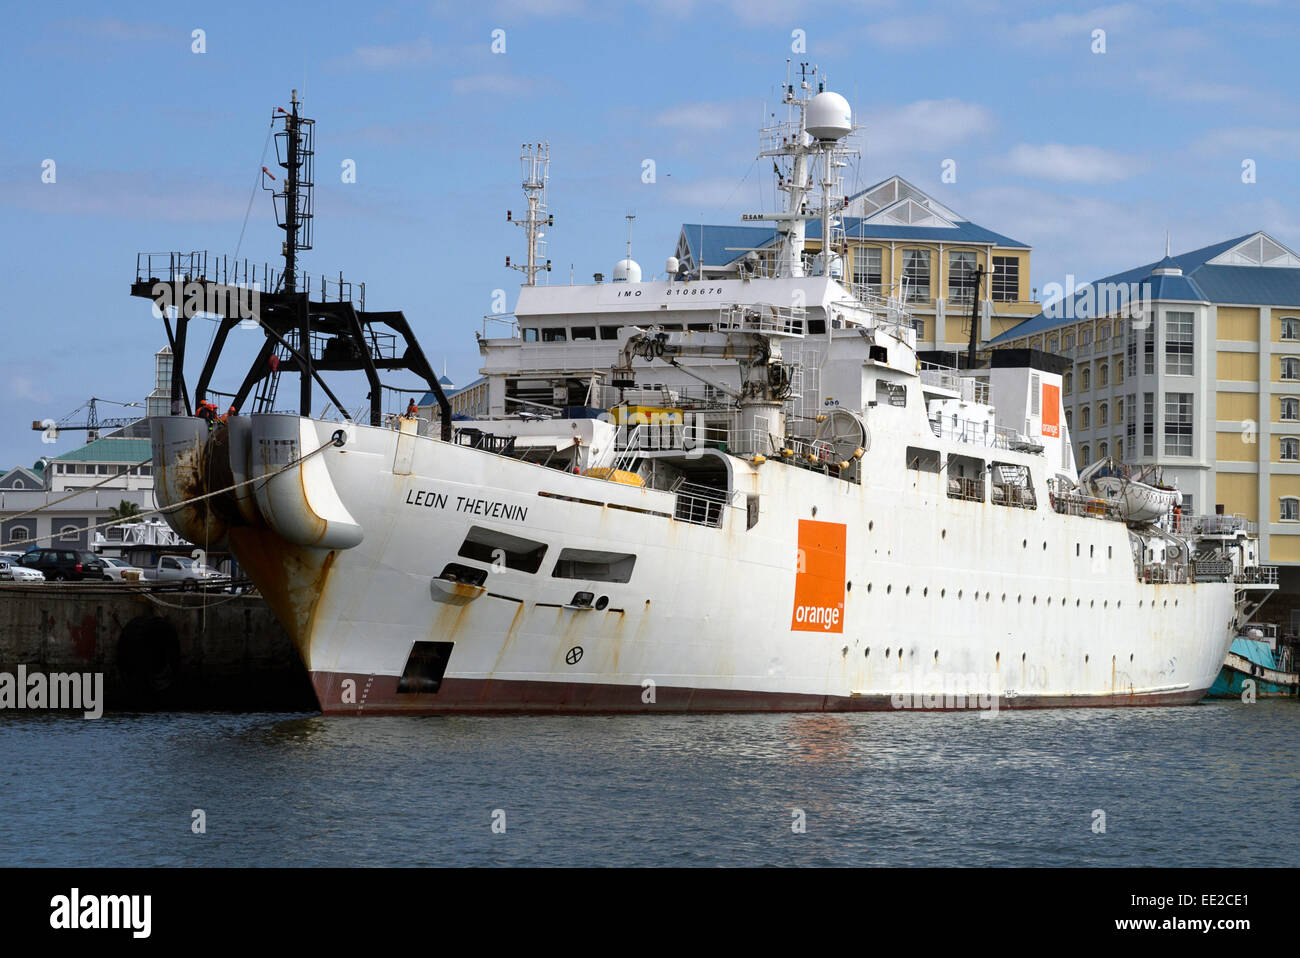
(829, 116)
(627, 271)
(671, 266)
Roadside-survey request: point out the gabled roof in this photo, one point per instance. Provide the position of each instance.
(110, 450)
(30, 478)
(724, 244)
(1217, 273)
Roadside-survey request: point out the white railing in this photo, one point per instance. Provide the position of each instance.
(1257, 575)
(968, 388)
(763, 318)
(972, 432)
(1212, 525)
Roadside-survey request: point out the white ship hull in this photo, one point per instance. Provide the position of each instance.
(1017, 607)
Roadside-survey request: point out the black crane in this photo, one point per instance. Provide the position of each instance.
(92, 425)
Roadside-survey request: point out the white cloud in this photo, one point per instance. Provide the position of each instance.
(1075, 27)
(1172, 84)
(1250, 140)
(1077, 164)
(394, 56)
(499, 84)
(22, 387)
(133, 196)
(925, 127)
(702, 116)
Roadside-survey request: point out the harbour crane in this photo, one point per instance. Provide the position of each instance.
(92, 424)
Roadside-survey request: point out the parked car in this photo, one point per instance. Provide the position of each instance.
(115, 567)
(71, 564)
(12, 571)
(191, 573)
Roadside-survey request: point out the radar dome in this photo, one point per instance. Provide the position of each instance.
(829, 116)
(670, 267)
(626, 271)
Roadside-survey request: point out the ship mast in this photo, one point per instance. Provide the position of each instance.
(806, 138)
(536, 163)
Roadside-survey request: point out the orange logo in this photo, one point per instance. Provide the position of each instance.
(1051, 410)
(819, 578)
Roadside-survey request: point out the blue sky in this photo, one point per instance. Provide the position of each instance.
(1088, 157)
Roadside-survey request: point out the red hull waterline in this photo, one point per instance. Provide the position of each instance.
(378, 695)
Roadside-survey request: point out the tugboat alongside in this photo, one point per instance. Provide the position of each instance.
(662, 508)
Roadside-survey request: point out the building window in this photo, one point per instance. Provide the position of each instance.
(961, 276)
(1289, 510)
(1069, 418)
(916, 274)
(1085, 417)
(1290, 450)
(1149, 349)
(1290, 410)
(1103, 450)
(866, 268)
(1119, 370)
(68, 534)
(1178, 424)
(1103, 333)
(1085, 336)
(1290, 368)
(1119, 449)
(1178, 344)
(19, 535)
(1103, 373)
(1103, 415)
(1069, 341)
(1085, 455)
(1148, 424)
(1087, 378)
(1130, 420)
(1290, 327)
(1053, 345)
(919, 326)
(1006, 279)
(1130, 348)
(1067, 383)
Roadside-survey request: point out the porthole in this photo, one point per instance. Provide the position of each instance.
(943, 593)
(848, 587)
(997, 657)
(986, 596)
(936, 655)
(900, 653)
(1092, 603)
(1044, 545)
(887, 651)
(1166, 603)
(1175, 602)
(959, 593)
(868, 587)
(907, 591)
(866, 653)
(889, 588)
(1019, 598)
(1077, 603)
(1105, 604)
(1139, 603)
(1130, 656)
(975, 596)
(943, 533)
(1022, 656)
(925, 591)
(871, 525)
(1119, 603)
(1035, 602)
(1004, 597)
(814, 512)
(1024, 543)
(1049, 600)
(1085, 659)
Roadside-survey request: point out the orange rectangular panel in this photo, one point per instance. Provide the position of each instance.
(819, 578)
(1051, 411)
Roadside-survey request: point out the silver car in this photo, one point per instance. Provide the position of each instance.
(11, 571)
(114, 567)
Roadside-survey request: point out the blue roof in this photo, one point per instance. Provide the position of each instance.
(726, 244)
(1199, 282)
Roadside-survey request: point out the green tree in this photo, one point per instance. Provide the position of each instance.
(124, 511)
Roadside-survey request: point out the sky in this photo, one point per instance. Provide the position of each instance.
(1085, 131)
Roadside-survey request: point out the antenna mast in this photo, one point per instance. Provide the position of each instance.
(536, 163)
(294, 151)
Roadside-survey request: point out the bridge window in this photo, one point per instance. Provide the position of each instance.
(556, 335)
(584, 334)
(922, 460)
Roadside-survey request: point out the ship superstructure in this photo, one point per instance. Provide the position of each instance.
(707, 494)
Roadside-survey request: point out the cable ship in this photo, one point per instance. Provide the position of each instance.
(668, 511)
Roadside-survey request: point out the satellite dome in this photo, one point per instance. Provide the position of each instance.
(829, 116)
(670, 267)
(626, 271)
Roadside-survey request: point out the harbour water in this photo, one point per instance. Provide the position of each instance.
(1213, 785)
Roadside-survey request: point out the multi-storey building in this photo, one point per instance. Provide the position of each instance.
(903, 244)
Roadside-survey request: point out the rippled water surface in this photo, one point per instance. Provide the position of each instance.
(1215, 784)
